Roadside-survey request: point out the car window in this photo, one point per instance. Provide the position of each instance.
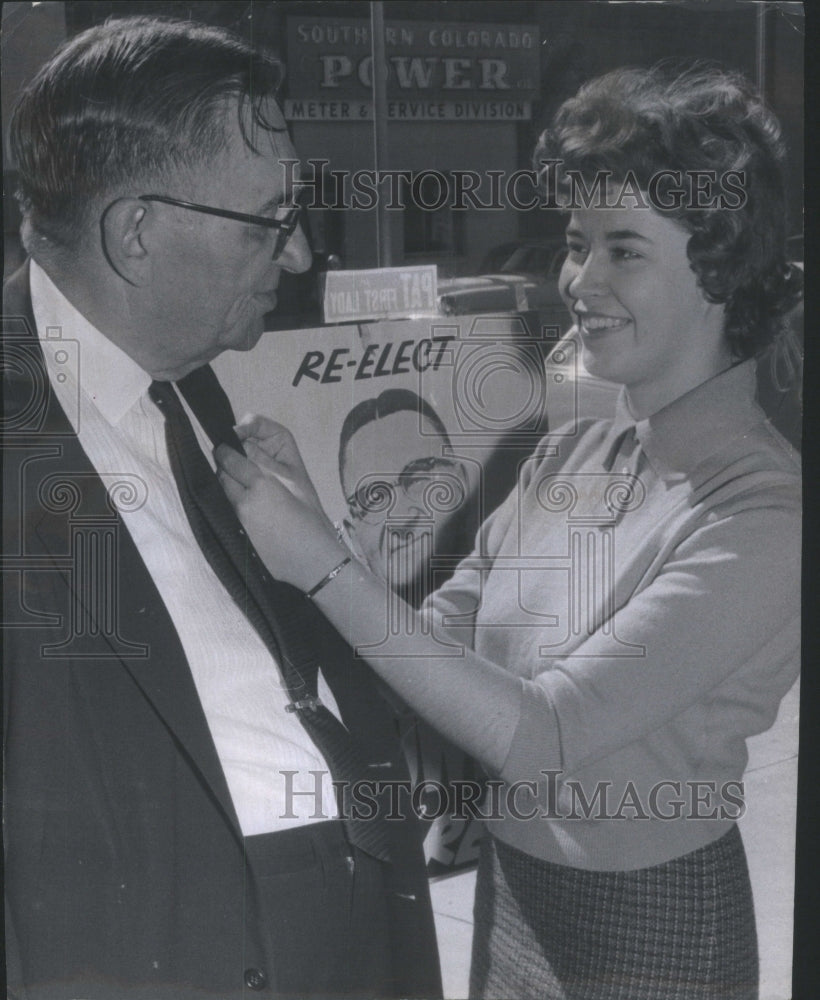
(515, 262)
(540, 260)
(557, 261)
(528, 260)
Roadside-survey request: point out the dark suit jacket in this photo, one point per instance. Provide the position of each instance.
(125, 871)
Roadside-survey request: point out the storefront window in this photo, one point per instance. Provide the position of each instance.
(431, 225)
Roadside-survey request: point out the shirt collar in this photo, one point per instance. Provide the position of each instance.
(681, 436)
(107, 376)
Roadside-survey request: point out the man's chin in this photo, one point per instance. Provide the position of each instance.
(249, 337)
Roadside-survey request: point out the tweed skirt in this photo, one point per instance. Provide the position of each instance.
(683, 930)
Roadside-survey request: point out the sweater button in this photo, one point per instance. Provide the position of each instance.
(255, 979)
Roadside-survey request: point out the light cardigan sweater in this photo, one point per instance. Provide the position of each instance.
(693, 542)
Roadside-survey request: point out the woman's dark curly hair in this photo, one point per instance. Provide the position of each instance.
(640, 122)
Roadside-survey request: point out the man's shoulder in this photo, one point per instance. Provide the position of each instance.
(22, 357)
(17, 298)
(30, 405)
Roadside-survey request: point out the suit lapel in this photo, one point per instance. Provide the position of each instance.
(142, 639)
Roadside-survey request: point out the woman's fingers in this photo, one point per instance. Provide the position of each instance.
(243, 480)
(272, 446)
(233, 489)
(289, 531)
(255, 425)
(272, 456)
(236, 466)
(241, 475)
(278, 453)
(273, 438)
(274, 463)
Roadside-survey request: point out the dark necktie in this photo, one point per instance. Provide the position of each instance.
(280, 614)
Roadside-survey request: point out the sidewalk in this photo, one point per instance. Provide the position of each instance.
(768, 830)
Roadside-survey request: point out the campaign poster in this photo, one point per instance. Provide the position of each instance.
(416, 429)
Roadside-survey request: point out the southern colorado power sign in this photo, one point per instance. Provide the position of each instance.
(447, 72)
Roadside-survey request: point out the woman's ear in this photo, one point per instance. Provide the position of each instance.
(124, 228)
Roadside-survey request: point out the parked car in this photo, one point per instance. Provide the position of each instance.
(515, 277)
(484, 293)
(525, 256)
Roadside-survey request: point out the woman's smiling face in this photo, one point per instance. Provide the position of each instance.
(642, 317)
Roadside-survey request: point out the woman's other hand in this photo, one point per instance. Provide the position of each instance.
(273, 448)
(287, 526)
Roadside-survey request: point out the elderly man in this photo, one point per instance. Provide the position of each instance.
(182, 732)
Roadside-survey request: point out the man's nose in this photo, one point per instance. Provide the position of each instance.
(296, 256)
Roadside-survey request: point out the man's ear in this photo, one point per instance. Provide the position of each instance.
(124, 230)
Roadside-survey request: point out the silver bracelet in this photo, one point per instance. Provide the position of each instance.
(330, 576)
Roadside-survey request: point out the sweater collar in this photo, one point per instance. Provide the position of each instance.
(685, 433)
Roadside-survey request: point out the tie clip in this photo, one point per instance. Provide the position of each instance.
(309, 702)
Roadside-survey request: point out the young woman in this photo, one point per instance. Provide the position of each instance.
(630, 613)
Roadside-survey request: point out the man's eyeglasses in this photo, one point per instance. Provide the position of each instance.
(375, 497)
(286, 225)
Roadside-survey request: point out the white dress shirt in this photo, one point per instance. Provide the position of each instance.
(238, 681)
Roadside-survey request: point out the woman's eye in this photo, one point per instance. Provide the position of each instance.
(576, 252)
(625, 254)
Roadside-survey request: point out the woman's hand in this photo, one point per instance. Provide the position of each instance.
(273, 448)
(292, 535)
(299, 546)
